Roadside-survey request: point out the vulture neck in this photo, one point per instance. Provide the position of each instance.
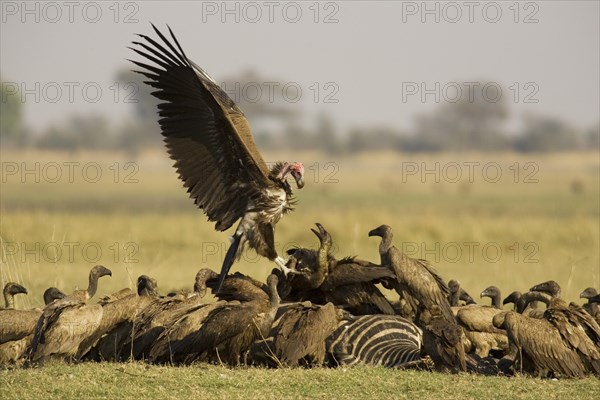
(455, 298)
(496, 300)
(531, 297)
(9, 299)
(277, 174)
(274, 298)
(386, 243)
(92, 285)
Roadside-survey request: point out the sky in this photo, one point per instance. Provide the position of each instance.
(377, 63)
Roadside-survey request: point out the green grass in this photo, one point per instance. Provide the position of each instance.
(544, 230)
(136, 380)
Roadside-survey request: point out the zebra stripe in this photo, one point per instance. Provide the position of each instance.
(384, 340)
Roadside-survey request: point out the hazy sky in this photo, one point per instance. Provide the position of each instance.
(365, 55)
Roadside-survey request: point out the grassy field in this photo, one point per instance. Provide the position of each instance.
(136, 380)
(508, 220)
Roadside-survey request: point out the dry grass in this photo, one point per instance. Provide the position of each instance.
(136, 380)
(544, 230)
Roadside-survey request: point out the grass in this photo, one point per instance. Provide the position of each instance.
(510, 234)
(137, 380)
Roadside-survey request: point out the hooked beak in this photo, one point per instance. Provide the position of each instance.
(299, 179)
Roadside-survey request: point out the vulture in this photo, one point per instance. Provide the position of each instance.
(10, 290)
(458, 294)
(442, 341)
(172, 343)
(550, 287)
(348, 283)
(530, 309)
(159, 314)
(11, 351)
(300, 333)
(118, 313)
(493, 293)
(480, 335)
(557, 343)
(591, 306)
(228, 332)
(385, 340)
(209, 139)
(66, 323)
(419, 281)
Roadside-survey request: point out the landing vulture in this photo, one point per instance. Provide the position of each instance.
(209, 138)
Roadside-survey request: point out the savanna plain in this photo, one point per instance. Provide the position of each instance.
(504, 219)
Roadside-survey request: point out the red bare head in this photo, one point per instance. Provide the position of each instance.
(297, 171)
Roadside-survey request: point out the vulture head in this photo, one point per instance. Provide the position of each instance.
(588, 293)
(146, 286)
(13, 288)
(512, 298)
(296, 169)
(52, 294)
(453, 286)
(381, 231)
(201, 277)
(595, 299)
(99, 271)
(550, 287)
(491, 291)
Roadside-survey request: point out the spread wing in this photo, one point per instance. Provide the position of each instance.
(206, 134)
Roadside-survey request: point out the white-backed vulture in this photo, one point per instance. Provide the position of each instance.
(157, 316)
(442, 341)
(119, 312)
(227, 332)
(9, 291)
(209, 138)
(420, 281)
(458, 294)
(65, 323)
(481, 335)
(493, 293)
(111, 346)
(12, 351)
(531, 309)
(559, 343)
(348, 283)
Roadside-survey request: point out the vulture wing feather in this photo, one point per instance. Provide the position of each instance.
(205, 133)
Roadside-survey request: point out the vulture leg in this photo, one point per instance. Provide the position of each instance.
(281, 264)
(229, 259)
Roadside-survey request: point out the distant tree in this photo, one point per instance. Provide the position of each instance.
(325, 136)
(592, 137)
(78, 132)
(471, 123)
(542, 133)
(11, 114)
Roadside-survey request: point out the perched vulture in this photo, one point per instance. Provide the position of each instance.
(66, 323)
(21, 322)
(10, 290)
(209, 138)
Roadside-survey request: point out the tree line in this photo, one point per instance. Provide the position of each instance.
(466, 125)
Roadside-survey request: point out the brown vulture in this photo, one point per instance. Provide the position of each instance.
(67, 322)
(10, 290)
(209, 138)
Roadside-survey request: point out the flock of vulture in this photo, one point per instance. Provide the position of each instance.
(324, 312)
